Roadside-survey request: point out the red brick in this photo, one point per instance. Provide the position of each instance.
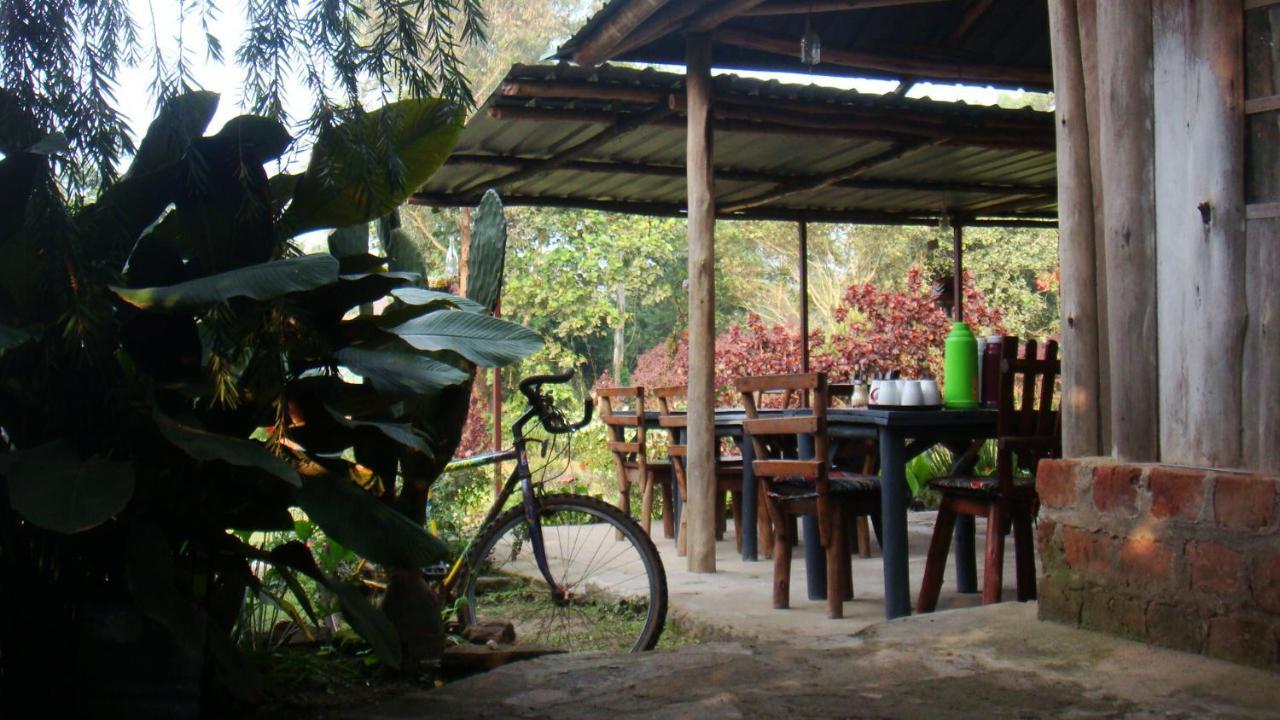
(1144, 558)
(1086, 550)
(1265, 581)
(1216, 569)
(1115, 488)
(1176, 493)
(1056, 483)
(1242, 638)
(1244, 502)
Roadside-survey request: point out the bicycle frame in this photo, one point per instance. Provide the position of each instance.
(522, 475)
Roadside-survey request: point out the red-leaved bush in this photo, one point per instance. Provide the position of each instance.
(876, 332)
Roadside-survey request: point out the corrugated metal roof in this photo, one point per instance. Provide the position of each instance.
(935, 158)
(1006, 33)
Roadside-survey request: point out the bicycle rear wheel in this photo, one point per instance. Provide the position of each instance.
(617, 586)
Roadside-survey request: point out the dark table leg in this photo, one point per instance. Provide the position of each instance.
(966, 563)
(893, 519)
(815, 558)
(749, 505)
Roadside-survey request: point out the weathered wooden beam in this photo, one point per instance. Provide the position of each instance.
(893, 154)
(621, 126)
(583, 91)
(955, 70)
(608, 167)
(798, 7)
(1199, 230)
(701, 458)
(1127, 147)
(888, 129)
(599, 47)
(974, 11)
(713, 16)
(1079, 300)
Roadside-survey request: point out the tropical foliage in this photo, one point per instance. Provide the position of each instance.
(175, 376)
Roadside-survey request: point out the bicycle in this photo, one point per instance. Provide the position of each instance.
(570, 571)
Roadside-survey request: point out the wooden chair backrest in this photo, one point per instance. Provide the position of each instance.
(622, 412)
(1029, 420)
(672, 409)
(768, 434)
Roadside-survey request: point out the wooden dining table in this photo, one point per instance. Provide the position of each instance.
(901, 434)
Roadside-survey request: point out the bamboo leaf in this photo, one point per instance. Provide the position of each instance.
(265, 281)
(484, 340)
(54, 489)
(205, 446)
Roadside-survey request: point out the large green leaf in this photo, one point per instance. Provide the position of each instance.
(345, 184)
(264, 281)
(422, 296)
(484, 340)
(368, 526)
(11, 337)
(400, 371)
(488, 252)
(402, 433)
(262, 138)
(181, 120)
(371, 623)
(54, 489)
(350, 240)
(205, 446)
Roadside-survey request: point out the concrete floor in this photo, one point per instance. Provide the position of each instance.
(990, 662)
(738, 597)
(980, 662)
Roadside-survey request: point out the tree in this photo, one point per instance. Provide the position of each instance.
(59, 62)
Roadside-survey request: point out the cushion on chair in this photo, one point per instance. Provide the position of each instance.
(974, 485)
(841, 483)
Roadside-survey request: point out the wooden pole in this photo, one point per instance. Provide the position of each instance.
(495, 406)
(1079, 312)
(957, 268)
(1199, 230)
(1127, 146)
(700, 461)
(804, 296)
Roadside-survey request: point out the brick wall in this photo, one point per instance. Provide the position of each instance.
(1189, 559)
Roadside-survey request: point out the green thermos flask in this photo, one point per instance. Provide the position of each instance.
(960, 389)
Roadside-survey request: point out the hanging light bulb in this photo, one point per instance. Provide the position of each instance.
(810, 43)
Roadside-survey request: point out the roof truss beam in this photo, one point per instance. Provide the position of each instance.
(954, 70)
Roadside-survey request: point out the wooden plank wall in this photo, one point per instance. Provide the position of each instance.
(1200, 240)
(1152, 145)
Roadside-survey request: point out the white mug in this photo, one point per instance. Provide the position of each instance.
(929, 392)
(875, 391)
(911, 394)
(889, 394)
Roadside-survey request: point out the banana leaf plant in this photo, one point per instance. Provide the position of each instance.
(173, 370)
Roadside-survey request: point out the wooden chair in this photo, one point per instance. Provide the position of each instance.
(860, 457)
(673, 417)
(795, 487)
(1028, 428)
(622, 412)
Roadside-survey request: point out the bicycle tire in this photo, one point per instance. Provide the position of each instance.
(518, 592)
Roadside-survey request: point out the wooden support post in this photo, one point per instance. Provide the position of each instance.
(957, 268)
(700, 461)
(1127, 146)
(495, 406)
(1200, 238)
(1079, 311)
(804, 296)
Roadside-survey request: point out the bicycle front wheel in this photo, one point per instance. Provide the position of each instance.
(617, 589)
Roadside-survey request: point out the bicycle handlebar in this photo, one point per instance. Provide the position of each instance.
(543, 405)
